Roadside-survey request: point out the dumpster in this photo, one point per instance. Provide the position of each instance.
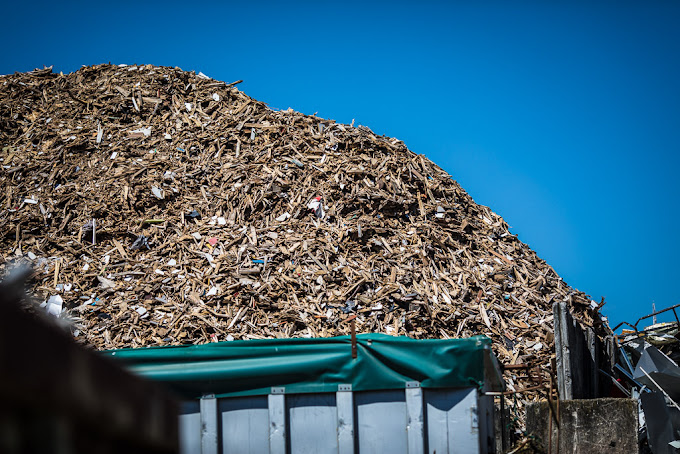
(375, 394)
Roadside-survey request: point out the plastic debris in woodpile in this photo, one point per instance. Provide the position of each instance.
(160, 207)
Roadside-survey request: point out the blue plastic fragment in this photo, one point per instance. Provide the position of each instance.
(258, 261)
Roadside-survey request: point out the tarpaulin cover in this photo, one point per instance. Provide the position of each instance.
(252, 367)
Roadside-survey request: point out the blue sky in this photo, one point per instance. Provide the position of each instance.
(564, 118)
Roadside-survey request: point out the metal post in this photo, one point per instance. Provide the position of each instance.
(503, 423)
(208, 424)
(562, 350)
(354, 338)
(414, 413)
(277, 421)
(345, 405)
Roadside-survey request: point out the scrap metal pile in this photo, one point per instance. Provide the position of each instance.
(159, 207)
(646, 368)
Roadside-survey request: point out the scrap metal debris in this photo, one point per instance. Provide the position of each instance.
(646, 368)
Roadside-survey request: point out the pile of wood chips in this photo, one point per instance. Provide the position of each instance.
(162, 207)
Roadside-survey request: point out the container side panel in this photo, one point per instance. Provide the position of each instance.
(313, 423)
(381, 422)
(245, 425)
(190, 428)
(451, 421)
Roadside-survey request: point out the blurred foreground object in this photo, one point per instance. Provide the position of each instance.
(57, 396)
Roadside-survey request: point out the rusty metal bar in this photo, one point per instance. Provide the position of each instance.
(354, 338)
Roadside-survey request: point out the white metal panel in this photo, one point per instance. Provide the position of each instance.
(313, 423)
(245, 425)
(452, 422)
(189, 428)
(381, 422)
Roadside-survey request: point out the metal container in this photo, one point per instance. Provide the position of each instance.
(373, 394)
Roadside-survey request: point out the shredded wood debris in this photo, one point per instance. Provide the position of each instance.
(163, 207)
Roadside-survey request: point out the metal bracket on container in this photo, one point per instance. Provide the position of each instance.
(413, 384)
(278, 390)
(345, 388)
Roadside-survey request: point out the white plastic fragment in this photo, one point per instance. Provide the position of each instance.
(216, 97)
(54, 305)
(212, 292)
(283, 217)
(157, 192)
(221, 221)
(172, 262)
(316, 205)
(106, 283)
(141, 311)
(145, 131)
(167, 136)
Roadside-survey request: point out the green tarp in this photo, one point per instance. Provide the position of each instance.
(253, 367)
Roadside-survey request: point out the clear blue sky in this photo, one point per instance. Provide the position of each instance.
(563, 118)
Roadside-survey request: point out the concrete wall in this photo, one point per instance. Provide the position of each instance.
(588, 426)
